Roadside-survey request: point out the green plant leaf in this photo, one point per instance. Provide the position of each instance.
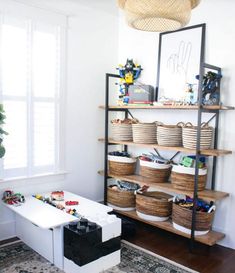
(2, 132)
(2, 151)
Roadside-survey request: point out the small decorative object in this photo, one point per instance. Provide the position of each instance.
(128, 74)
(11, 198)
(71, 203)
(182, 215)
(210, 88)
(141, 94)
(57, 195)
(2, 132)
(158, 15)
(190, 97)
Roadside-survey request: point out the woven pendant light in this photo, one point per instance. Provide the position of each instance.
(157, 15)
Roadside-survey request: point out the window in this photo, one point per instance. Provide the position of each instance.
(30, 89)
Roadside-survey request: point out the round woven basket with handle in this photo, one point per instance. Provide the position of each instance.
(144, 133)
(121, 132)
(190, 136)
(182, 178)
(121, 198)
(154, 203)
(183, 217)
(169, 135)
(155, 172)
(119, 165)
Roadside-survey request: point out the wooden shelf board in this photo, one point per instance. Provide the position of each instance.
(176, 107)
(207, 195)
(209, 152)
(210, 238)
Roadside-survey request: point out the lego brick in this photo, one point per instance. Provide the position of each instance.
(87, 246)
(96, 266)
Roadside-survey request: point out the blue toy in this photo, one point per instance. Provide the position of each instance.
(128, 74)
(210, 88)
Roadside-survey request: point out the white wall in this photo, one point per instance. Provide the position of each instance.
(220, 44)
(92, 50)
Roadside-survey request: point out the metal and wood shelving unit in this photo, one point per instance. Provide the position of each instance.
(210, 238)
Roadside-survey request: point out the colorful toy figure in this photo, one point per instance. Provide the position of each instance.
(128, 74)
(210, 88)
(11, 198)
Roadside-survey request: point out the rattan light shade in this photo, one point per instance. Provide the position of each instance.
(157, 15)
(121, 3)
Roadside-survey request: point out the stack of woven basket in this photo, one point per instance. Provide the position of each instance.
(169, 135)
(122, 129)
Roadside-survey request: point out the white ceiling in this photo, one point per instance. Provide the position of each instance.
(71, 7)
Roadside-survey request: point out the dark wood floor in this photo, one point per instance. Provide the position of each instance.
(216, 259)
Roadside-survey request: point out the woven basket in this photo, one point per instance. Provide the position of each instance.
(182, 219)
(169, 135)
(182, 178)
(190, 136)
(121, 132)
(144, 133)
(125, 200)
(121, 165)
(155, 204)
(155, 172)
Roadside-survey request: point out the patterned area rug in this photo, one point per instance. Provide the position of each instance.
(19, 258)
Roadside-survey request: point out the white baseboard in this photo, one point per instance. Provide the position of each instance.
(7, 230)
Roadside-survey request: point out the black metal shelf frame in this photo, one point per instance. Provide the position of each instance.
(200, 111)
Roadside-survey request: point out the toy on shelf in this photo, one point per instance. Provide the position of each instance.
(210, 88)
(190, 97)
(11, 198)
(128, 74)
(190, 161)
(201, 205)
(57, 195)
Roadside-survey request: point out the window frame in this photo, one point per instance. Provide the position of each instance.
(59, 101)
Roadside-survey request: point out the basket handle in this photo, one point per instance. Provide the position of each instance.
(204, 125)
(159, 123)
(188, 124)
(180, 124)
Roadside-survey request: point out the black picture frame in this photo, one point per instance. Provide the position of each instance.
(165, 43)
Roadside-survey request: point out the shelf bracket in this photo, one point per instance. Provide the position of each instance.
(214, 116)
(128, 111)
